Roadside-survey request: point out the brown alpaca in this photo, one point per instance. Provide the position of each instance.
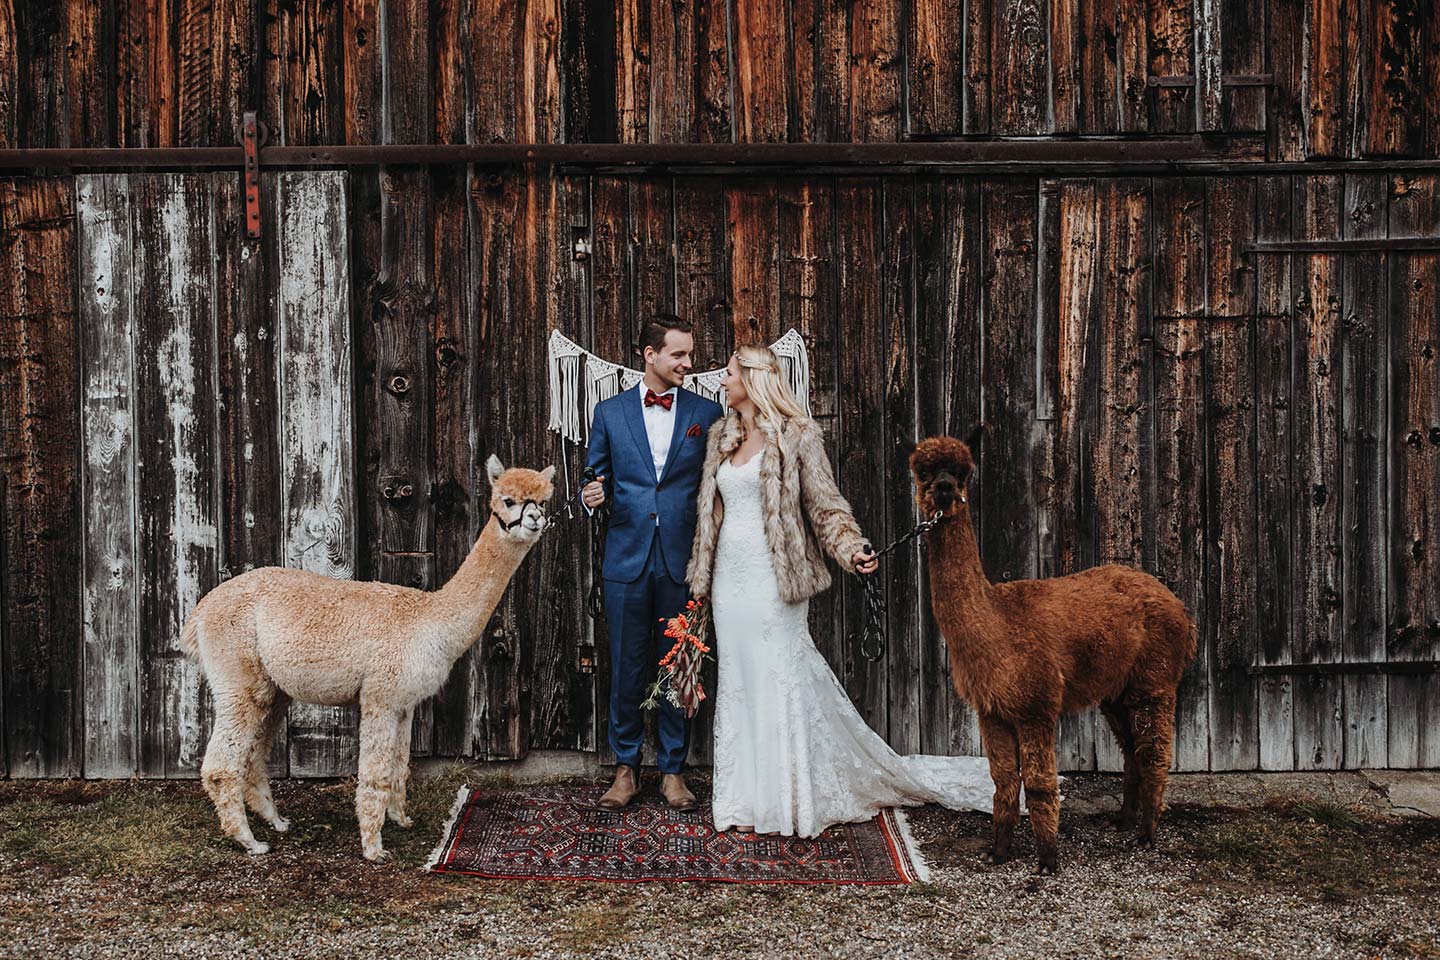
(1025, 652)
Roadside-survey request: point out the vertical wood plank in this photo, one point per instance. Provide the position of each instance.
(307, 213)
(145, 74)
(876, 71)
(41, 667)
(947, 368)
(1123, 419)
(1413, 632)
(1393, 114)
(1070, 381)
(1180, 262)
(59, 89)
(632, 70)
(109, 591)
(975, 95)
(177, 462)
(1244, 43)
(1065, 78)
(753, 235)
(809, 303)
(304, 65)
(1209, 63)
(1133, 68)
(1228, 624)
(216, 57)
(903, 585)
(247, 404)
(760, 81)
(1316, 481)
(936, 67)
(861, 462)
(1274, 563)
(1171, 26)
(1363, 491)
(1019, 84)
(1322, 79)
(1285, 125)
(1099, 67)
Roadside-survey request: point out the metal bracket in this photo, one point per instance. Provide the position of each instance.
(251, 130)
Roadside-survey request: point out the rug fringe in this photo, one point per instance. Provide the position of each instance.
(922, 866)
(461, 795)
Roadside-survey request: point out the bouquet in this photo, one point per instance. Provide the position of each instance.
(679, 678)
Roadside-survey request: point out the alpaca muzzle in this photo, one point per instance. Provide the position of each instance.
(946, 490)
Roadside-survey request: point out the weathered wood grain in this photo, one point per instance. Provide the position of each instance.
(314, 360)
(1245, 40)
(1413, 593)
(876, 70)
(1019, 85)
(109, 586)
(145, 75)
(936, 65)
(177, 460)
(1171, 46)
(902, 386)
(860, 463)
(215, 71)
(1365, 548)
(308, 90)
(1316, 480)
(1275, 565)
(1180, 476)
(975, 94)
(761, 55)
(947, 370)
(1228, 623)
(1391, 117)
(41, 668)
(753, 247)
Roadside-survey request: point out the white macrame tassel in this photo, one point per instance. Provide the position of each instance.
(565, 357)
(601, 383)
(795, 362)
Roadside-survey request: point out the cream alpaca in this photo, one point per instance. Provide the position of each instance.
(275, 634)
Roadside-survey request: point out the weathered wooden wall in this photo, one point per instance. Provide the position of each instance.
(178, 403)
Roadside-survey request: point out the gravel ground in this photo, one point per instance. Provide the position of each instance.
(139, 869)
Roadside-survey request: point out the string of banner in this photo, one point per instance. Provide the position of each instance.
(580, 381)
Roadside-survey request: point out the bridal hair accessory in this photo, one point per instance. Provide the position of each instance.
(579, 380)
(679, 679)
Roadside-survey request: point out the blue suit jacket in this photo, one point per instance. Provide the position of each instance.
(620, 452)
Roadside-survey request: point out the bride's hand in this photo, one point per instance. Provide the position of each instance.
(865, 561)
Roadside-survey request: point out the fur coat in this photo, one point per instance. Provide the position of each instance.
(800, 501)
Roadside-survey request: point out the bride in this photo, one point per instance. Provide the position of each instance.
(792, 755)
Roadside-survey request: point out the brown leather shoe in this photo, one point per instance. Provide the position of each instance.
(623, 790)
(676, 793)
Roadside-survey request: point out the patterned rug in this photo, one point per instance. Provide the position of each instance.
(558, 833)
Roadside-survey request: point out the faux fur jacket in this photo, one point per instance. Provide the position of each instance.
(800, 502)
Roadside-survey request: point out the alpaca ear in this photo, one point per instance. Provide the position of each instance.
(975, 436)
(494, 468)
(548, 473)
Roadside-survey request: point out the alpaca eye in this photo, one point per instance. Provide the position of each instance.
(508, 502)
(924, 476)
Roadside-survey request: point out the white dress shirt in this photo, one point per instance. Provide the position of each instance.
(659, 426)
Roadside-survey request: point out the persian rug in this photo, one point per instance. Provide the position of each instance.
(559, 833)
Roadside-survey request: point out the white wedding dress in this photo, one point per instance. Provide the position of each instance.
(792, 755)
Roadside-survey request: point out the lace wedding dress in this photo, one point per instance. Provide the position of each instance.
(792, 755)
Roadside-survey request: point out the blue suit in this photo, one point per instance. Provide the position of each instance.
(652, 525)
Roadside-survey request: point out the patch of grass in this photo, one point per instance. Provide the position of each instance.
(114, 829)
(1313, 848)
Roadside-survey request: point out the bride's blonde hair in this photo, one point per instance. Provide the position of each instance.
(765, 383)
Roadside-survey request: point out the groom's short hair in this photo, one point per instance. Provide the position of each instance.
(653, 330)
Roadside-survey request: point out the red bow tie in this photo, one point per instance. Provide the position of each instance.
(665, 400)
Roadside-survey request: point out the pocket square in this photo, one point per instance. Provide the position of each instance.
(694, 430)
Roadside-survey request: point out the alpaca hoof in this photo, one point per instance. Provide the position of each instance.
(280, 825)
(400, 820)
(379, 856)
(257, 849)
(995, 857)
(1045, 866)
(1145, 839)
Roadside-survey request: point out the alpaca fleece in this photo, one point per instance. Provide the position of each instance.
(794, 474)
(1025, 652)
(275, 634)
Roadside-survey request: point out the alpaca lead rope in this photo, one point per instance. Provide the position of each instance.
(872, 637)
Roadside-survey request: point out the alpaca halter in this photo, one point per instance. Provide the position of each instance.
(507, 527)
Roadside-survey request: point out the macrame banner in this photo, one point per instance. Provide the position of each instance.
(579, 380)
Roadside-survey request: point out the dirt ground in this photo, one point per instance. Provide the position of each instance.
(110, 869)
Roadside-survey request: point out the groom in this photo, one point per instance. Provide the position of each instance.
(647, 448)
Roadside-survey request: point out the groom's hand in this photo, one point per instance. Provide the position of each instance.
(865, 560)
(593, 493)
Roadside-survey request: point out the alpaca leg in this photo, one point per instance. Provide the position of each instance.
(400, 776)
(257, 778)
(238, 719)
(1042, 791)
(1002, 747)
(379, 733)
(1119, 718)
(1153, 724)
